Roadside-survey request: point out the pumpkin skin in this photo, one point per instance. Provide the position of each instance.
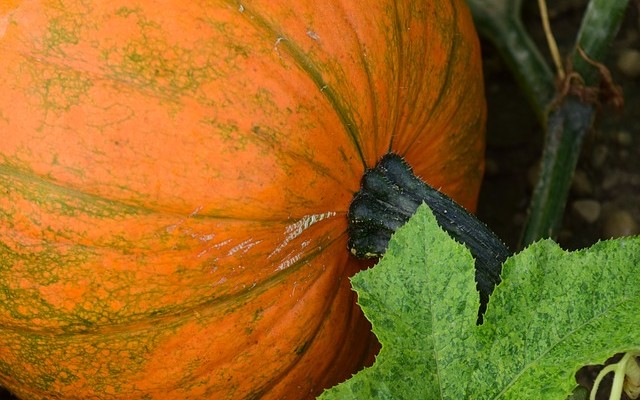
(175, 177)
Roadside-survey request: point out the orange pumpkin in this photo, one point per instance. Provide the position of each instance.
(174, 180)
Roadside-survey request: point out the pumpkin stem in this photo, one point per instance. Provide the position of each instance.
(390, 194)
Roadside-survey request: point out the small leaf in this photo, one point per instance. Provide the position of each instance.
(422, 302)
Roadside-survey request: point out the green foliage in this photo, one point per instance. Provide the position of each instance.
(554, 312)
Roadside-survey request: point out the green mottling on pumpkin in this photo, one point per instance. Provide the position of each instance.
(126, 11)
(304, 109)
(257, 316)
(5, 367)
(264, 98)
(62, 30)
(343, 155)
(230, 133)
(66, 29)
(153, 63)
(219, 26)
(455, 55)
(267, 139)
(66, 376)
(36, 265)
(129, 358)
(57, 88)
(141, 19)
(18, 302)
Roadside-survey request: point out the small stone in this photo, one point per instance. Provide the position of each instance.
(629, 63)
(599, 156)
(581, 185)
(624, 155)
(532, 174)
(619, 223)
(624, 138)
(611, 180)
(588, 210)
(491, 167)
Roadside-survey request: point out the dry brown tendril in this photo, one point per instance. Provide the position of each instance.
(607, 93)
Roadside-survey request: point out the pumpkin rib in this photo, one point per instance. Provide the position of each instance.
(446, 84)
(343, 346)
(127, 208)
(348, 124)
(168, 328)
(285, 371)
(205, 308)
(329, 366)
(375, 119)
(117, 80)
(372, 93)
(442, 91)
(48, 186)
(399, 62)
(333, 297)
(355, 308)
(308, 343)
(344, 351)
(317, 167)
(457, 58)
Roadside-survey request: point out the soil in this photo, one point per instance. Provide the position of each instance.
(605, 198)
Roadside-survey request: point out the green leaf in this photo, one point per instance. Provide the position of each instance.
(554, 312)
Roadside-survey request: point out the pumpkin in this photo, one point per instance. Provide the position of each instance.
(175, 178)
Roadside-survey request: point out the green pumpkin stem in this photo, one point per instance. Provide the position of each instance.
(390, 194)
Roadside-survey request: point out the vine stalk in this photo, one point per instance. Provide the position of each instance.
(566, 116)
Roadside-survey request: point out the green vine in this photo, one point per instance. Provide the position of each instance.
(626, 377)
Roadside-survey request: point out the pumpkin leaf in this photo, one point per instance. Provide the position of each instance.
(554, 312)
